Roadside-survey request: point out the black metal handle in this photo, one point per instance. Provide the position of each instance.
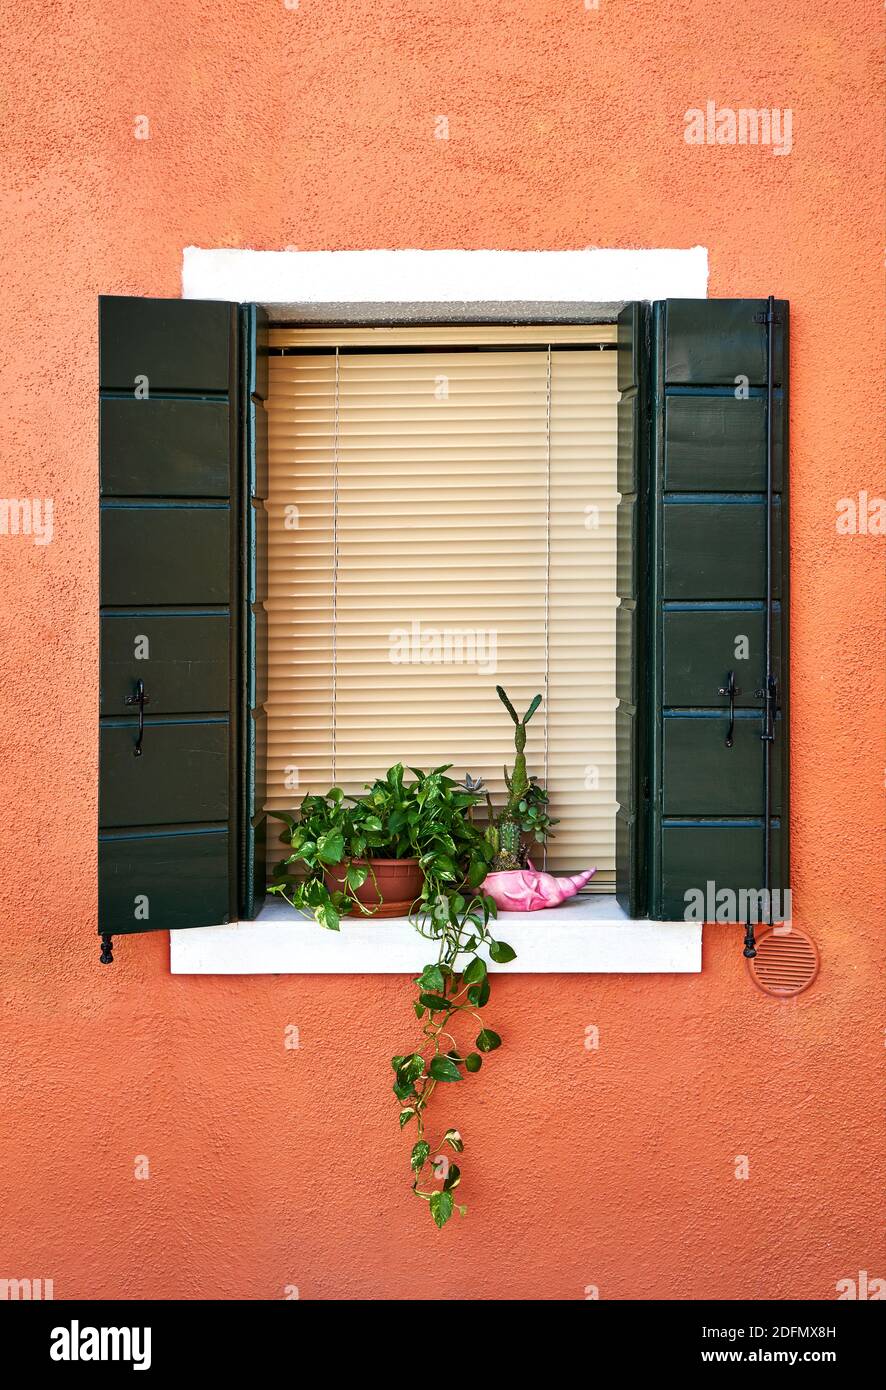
(140, 699)
(730, 689)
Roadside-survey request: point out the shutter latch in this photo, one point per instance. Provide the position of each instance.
(140, 699)
(769, 696)
(730, 689)
(767, 317)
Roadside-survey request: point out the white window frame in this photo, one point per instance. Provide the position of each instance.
(588, 935)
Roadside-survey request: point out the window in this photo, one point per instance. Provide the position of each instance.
(698, 688)
(442, 519)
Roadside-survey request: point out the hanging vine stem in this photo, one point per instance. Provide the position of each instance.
(462, 927)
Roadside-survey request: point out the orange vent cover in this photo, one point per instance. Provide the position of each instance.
(786, 962)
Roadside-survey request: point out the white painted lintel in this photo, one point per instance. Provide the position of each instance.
(594, 275)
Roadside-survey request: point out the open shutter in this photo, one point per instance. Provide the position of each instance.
(631, 584)
(718, 585)
(172, 552)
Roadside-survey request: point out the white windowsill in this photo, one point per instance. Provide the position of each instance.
(588, 935)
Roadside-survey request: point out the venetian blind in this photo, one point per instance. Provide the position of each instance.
(442, 520)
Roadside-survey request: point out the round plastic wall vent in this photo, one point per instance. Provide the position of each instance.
(786, 962)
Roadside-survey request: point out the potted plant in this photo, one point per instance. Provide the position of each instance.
(337, 842)
(383, 853)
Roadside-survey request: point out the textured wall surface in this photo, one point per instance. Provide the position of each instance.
(314, 127)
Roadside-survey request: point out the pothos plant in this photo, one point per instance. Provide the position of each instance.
(394, 818)
(429, 818)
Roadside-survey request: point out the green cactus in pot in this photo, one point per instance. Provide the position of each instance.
(525, 809)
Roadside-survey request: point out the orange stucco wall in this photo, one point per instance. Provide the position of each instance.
(314, 127)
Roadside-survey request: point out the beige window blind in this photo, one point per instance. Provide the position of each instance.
(441, 521)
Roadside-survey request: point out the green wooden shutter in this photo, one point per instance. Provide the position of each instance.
(707, 593)
(631, 582)
(176, 536)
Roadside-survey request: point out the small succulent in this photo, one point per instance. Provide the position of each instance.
(473, 784)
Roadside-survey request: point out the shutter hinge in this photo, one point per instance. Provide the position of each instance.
(766, 317)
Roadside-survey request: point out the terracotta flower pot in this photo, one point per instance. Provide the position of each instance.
(392, 891)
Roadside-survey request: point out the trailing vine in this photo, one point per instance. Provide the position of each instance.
(447, 992)
(429, 819)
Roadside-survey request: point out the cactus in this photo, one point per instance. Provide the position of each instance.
(503, 833)
(509, 854)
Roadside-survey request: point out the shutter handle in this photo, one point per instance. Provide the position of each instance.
(730, 689)
(140, 699)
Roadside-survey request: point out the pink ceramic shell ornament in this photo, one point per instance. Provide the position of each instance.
(526, 890)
